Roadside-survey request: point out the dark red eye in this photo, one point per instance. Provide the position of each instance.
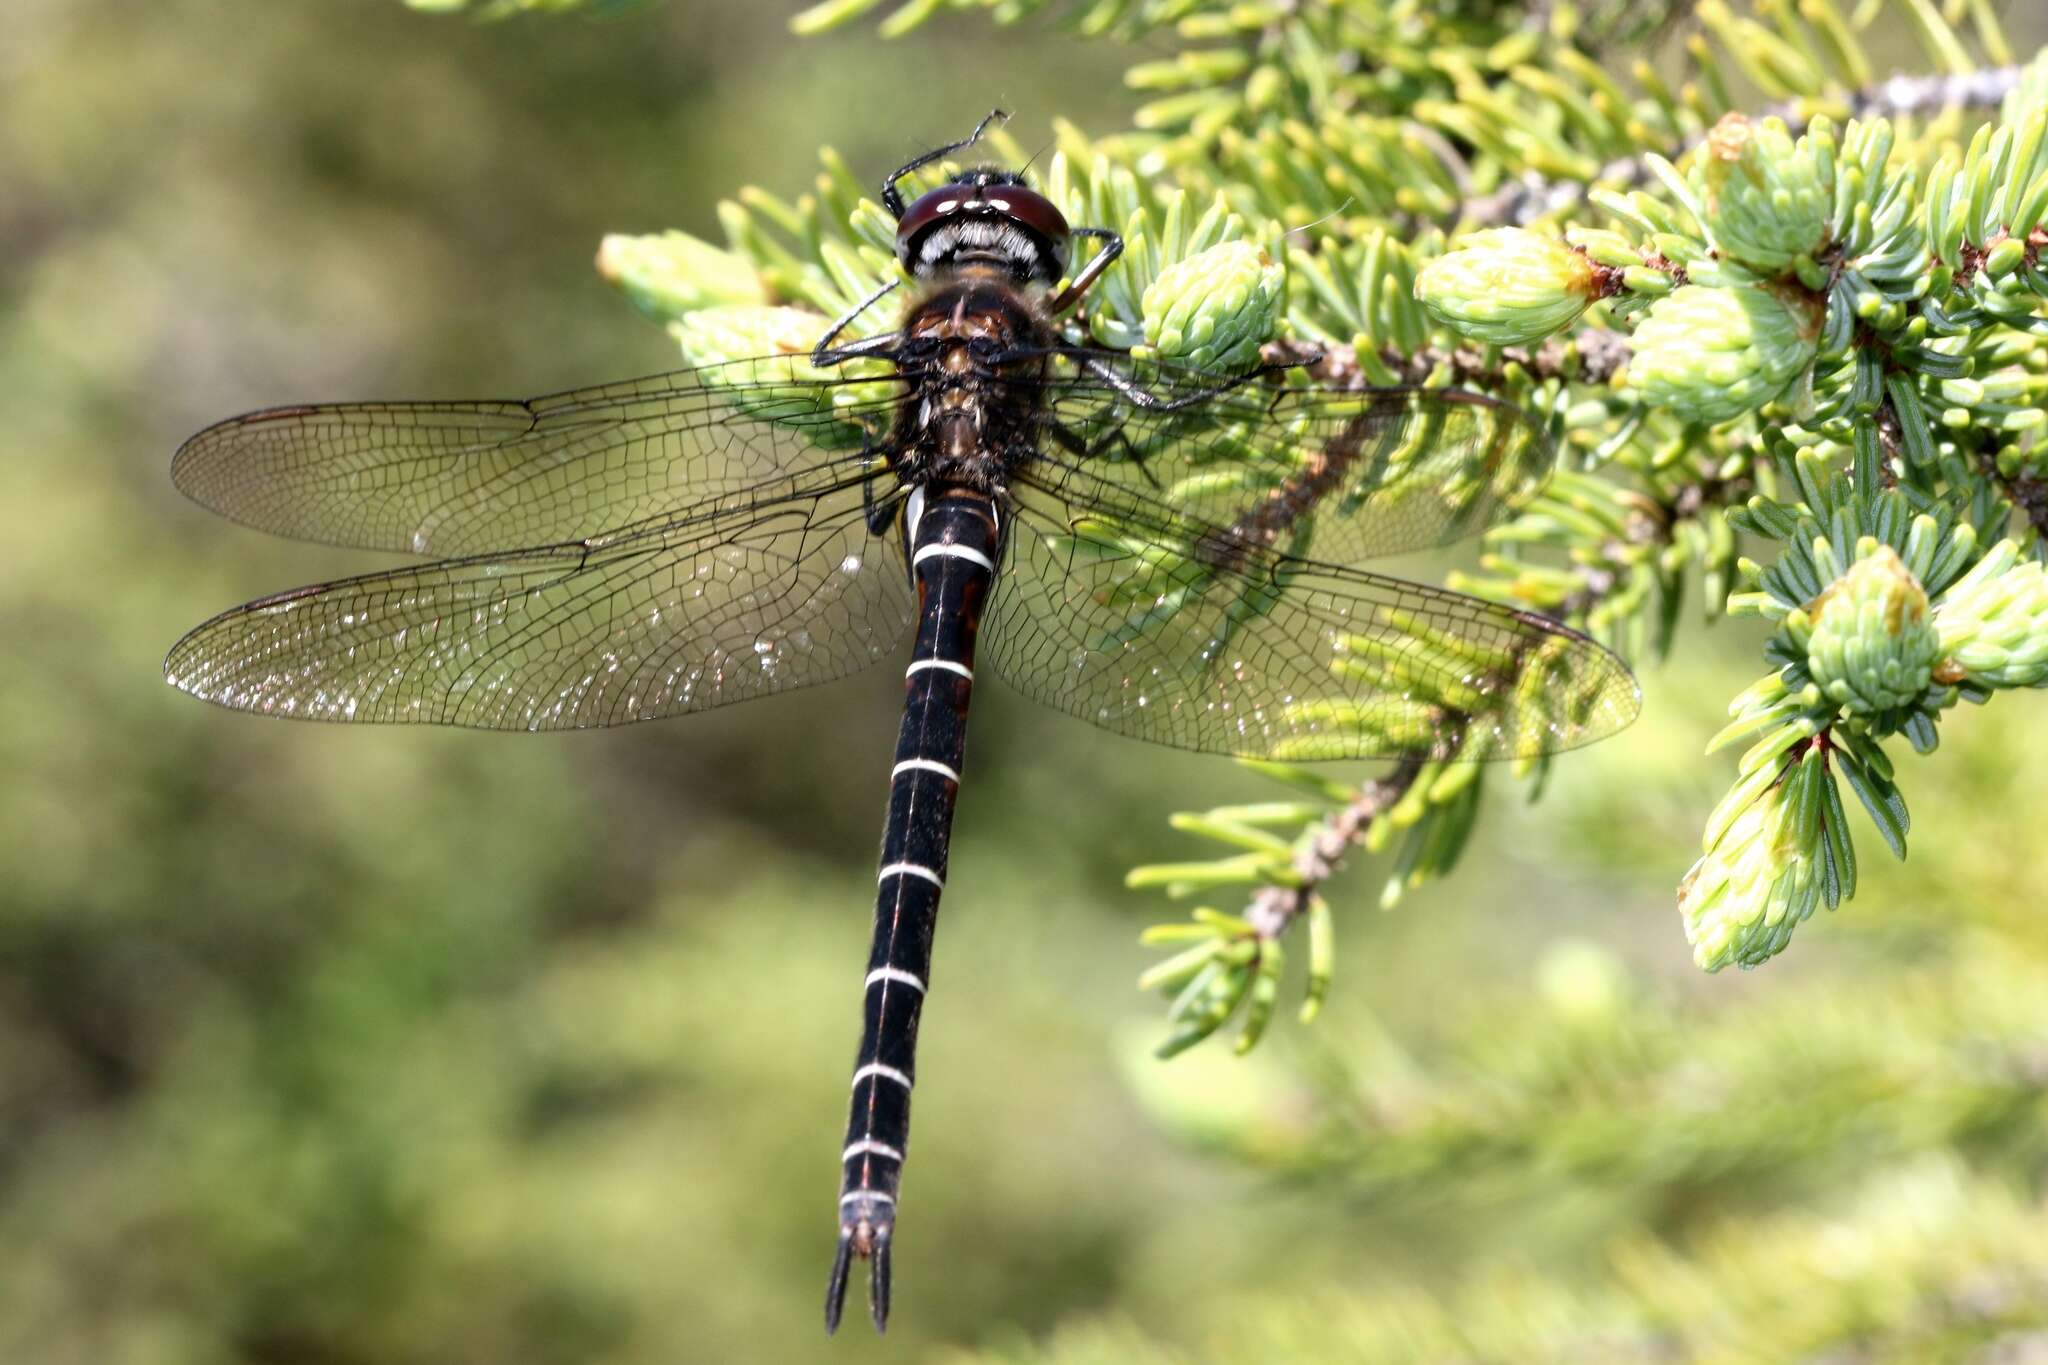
(1031, 209)
(927, 209)
(1022, 207)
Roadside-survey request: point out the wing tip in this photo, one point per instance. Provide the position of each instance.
(182, 667)
(185, 459)
(211, 435)
(1612, 698)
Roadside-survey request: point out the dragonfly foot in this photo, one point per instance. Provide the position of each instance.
(865, 1233)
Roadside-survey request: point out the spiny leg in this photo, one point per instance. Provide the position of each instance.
(1116, 439)
(877, 346)
(1140, 397)
(1112, 247)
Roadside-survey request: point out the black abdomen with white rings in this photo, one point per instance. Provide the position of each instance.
(955, 544)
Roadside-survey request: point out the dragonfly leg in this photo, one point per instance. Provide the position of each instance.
(1137, 395)
(1115, 439)
(1112, 247)
(825, 354)
(880, 510)
(892, 198)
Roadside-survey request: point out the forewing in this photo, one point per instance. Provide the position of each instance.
(1155, 625)
(758, 592)
(1339, 476)
(461, 478)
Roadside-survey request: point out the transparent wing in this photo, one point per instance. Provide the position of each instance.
(459, 478)
(1160, 626)
(1340, 476)
(765, 590)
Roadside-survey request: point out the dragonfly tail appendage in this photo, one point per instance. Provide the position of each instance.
(864, 1231)
(835, 1287)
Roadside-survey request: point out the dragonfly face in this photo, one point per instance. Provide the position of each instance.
(1173, 555)
(989, 219)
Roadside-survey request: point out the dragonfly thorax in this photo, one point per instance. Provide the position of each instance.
(971, 357)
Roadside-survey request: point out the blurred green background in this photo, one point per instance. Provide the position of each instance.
(321, 1045)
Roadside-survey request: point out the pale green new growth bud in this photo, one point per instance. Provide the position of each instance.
(1711, 355)
(1758, 878)
(1508, 286)
(669, 274)
(1994, 622)
(766, 372)
(1214, 309)
(1766, 198)
(1873, 646)
(718, 336)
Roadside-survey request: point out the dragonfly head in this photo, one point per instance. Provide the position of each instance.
(987, 220)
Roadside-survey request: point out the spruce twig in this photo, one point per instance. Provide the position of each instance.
(1274, 909)
(1532, 197)
(1831, 338)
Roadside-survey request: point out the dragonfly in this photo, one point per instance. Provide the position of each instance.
(1172, 554)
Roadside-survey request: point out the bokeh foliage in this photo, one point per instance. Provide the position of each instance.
(349, 1046)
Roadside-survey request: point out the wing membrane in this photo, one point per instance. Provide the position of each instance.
(664, 545)
(460, 478)
(1159, 626)
(1338, 476)
(741, 597)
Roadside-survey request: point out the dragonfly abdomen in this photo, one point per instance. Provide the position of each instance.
(954, 546)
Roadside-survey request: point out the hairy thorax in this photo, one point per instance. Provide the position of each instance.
(973, 355)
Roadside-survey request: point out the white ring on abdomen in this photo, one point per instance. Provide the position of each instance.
(924, 765)
(910, 870)
(887, 1073)
(952, 551)
(894, 974)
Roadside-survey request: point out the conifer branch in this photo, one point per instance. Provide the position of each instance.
(1593, 356)
(1832, 338)
(1533, 197)
(1274, 909)
(1275, 906)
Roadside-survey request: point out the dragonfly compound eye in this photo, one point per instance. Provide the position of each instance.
(1005, 227)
